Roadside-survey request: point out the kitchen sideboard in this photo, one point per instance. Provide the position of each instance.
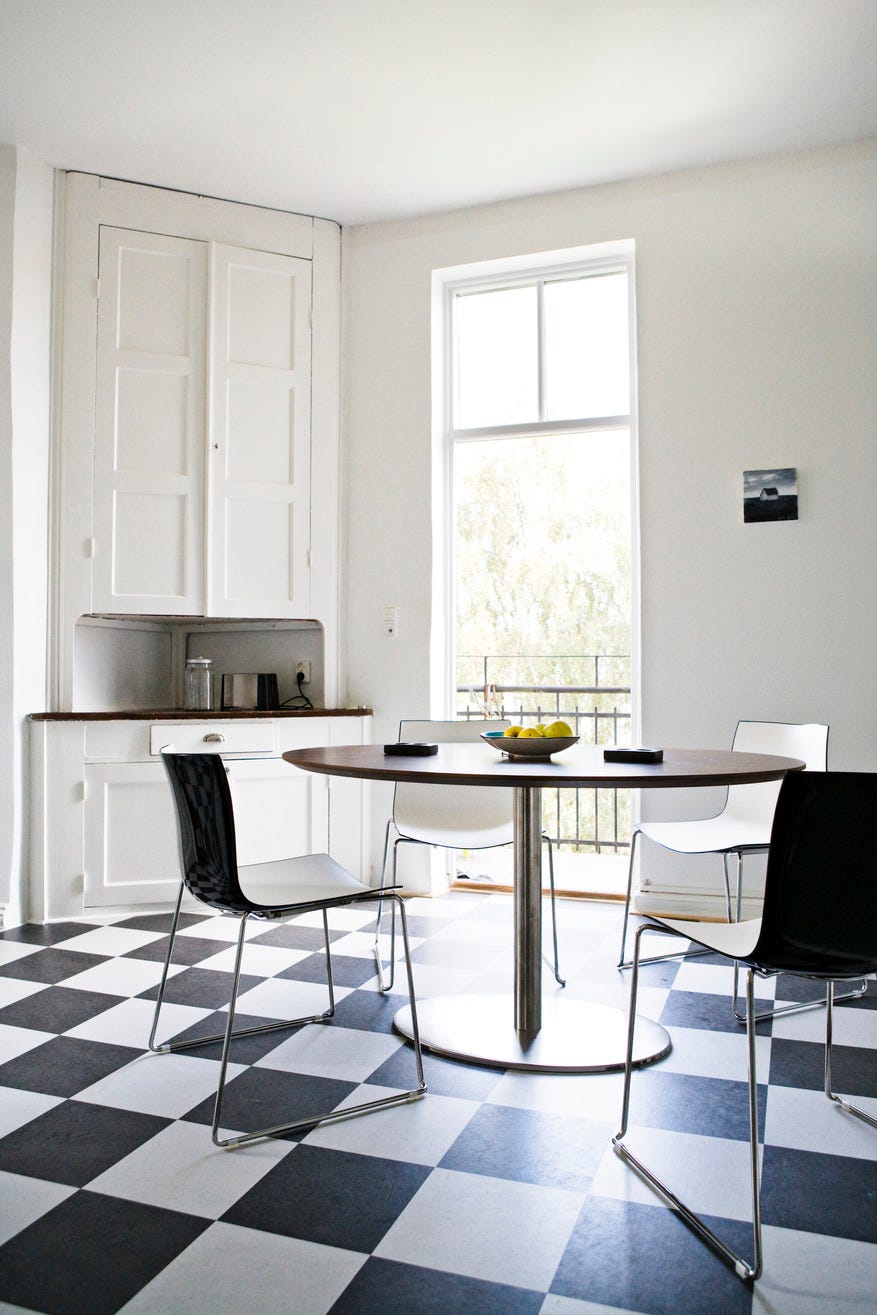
(102, 830)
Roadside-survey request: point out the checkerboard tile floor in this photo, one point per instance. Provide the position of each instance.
(498, 1192)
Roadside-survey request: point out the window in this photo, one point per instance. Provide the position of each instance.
(536, 428)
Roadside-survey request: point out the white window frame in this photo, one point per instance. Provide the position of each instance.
(539, 269)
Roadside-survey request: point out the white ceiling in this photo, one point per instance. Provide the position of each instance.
(361, 110)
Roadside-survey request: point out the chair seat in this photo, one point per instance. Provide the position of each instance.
(711, 835)
(308, 879)
(450, 837)
(737, 940)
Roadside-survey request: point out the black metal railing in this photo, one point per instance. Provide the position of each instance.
(598, 712)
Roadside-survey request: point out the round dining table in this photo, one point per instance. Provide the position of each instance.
(556, 1034)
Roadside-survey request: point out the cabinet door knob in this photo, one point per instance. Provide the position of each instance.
(214, 738)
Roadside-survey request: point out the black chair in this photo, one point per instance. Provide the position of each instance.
(819, 920)
(281, 889)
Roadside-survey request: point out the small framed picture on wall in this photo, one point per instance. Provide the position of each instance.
(770, 495)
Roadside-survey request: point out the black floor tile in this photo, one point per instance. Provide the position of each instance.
(57, 1009)
(319, 1195)
(64, 1066)
(444, 1077)
(347, 970)
(369, 1010)
(530, 1147)
(91, 1254)
(711, 1013)
(202, 987)
(245, 1049)
(188, 950)
(74, 1142)
(802, 1064)
(710, 1107)
(266, 1098)
(643, 1258)
(51, 933)
(161, 922)
(51, 965)
(384, 1287)
(830, 1194)
(292, 936)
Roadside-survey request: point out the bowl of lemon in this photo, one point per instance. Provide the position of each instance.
(532, 741)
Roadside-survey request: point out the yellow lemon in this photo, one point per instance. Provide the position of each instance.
(558, 728)
(513, 731)
(531, 733)
(541, 728)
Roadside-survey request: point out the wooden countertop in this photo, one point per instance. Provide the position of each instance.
(189, 714)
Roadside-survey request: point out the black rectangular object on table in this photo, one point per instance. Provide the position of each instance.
(633, 755)
(411, 749)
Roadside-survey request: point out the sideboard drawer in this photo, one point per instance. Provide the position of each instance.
(213, 736)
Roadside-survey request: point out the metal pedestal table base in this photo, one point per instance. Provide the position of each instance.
(575, 1037)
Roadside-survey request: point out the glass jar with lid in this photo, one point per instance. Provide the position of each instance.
(198, 683)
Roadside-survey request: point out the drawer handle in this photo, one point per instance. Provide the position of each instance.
(214, 738)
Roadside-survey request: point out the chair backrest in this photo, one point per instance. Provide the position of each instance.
(455, 808)
(808, 741)
(205, 828)
(820, 898)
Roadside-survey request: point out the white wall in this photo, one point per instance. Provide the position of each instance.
(26, 197)
(757, 327)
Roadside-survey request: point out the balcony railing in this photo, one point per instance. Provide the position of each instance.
(598, 710)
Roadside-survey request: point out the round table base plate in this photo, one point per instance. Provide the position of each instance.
(576, 1036)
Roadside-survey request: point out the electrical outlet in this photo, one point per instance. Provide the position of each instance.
(303, 669)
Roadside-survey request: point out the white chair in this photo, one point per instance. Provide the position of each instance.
(742, 827)
(452, 817)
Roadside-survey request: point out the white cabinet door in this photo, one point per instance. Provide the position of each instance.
(150, 424)
(201, 510)
(259, 495)
(130, 839)
(279, 811)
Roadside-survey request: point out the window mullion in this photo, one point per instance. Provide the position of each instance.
(540, 348)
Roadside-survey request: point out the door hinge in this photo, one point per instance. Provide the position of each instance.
(90, 547)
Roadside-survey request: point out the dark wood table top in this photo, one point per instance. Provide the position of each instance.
(478, 764)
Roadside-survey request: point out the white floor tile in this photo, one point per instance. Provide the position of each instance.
(808, 1121)
(595, 1096)
(850, 1026)
(19, 1107)
(555, 1305)
(120, 977)
(276, 998)
(23, 1200)
(710, 1174)
(258, 960)
(220, 928)
(726, 1056)
(332, 1052)
(349, 919)
(420, 1132)
(361, 944)
(12, 990)
(12, 951)
(181, 1169)
(129, 1023)
(516, 1234)
(15, 1041)
(166, 1085)
(280, 1275)
(110, 940)
(809, 1274)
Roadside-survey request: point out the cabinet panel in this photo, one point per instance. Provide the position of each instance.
(260, 363)
(130, 839)
(149, 423)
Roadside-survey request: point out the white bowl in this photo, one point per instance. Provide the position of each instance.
(532, 746)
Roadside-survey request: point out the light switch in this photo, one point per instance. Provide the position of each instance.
(389, 622)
